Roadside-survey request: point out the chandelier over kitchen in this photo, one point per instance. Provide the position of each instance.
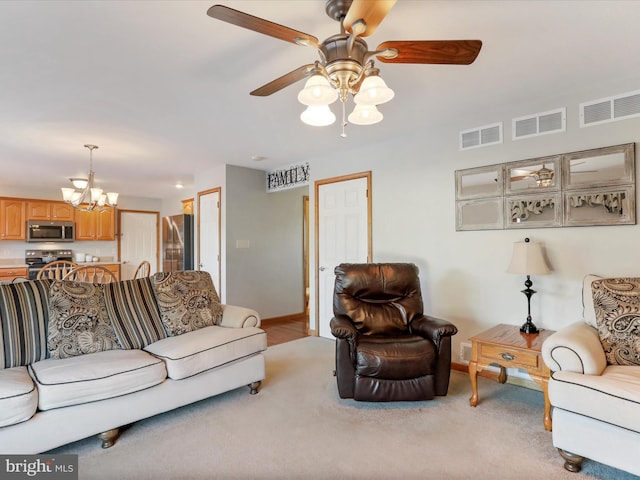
(88, 197)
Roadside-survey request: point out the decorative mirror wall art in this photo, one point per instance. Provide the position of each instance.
(533, 211)
(590, 187)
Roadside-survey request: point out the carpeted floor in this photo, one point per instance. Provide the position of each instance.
(298, 428)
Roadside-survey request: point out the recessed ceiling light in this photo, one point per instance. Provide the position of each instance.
(179, 185)
(257, 158)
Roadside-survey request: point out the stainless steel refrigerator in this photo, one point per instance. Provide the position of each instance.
(177, 243)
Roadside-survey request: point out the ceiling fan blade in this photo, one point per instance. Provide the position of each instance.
(261, 25)
(283, 81)
(372, 12)
(451, 52)
(519, 177)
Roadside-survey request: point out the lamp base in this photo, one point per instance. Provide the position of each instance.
(529, 327)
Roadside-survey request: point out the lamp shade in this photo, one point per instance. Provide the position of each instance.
(528, 259)
(318, 116)
(373, 91)
(317, 91)
(365, 115)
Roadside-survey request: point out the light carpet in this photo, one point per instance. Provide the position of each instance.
(298, 428)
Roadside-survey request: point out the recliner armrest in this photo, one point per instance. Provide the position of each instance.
(575, 348)
(343, 327)
(433, 328)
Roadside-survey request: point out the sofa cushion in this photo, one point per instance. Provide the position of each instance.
(194, 352)
(24, 314)
(613, 397)
(78, 320)
(96, 376)
(133, 312)
(187, 301)
(18, 396)
(617, 306)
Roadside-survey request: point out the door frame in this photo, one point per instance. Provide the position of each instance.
(317, 185)
(119, 232)
(217, 190)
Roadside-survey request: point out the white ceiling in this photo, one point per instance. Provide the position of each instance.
(163, 89)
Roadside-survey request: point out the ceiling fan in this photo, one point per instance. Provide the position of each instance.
(543, 176)
(346, 64)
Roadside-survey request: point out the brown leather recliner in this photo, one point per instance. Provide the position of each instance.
(386, 348)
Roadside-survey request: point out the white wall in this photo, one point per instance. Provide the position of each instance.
(264, 245)
(463, 274)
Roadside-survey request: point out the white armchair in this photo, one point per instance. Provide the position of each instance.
(596, 405)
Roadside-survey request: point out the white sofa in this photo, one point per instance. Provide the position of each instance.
(596, 402)
(50, 402)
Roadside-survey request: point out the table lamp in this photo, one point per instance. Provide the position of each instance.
(528, 259)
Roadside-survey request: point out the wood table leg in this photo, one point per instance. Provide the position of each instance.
(502, 376)
(473, 376)
(547, 405)
(544, 383)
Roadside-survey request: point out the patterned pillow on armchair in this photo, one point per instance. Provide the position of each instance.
(187, 301)
(617, 308)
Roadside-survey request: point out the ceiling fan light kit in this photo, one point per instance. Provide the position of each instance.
(373, 91)
(317, 91)
(346, 63)
(365, 115)
(318, 116)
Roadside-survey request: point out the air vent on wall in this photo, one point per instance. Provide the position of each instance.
(539, 124)
(610, 109)
(481, 136)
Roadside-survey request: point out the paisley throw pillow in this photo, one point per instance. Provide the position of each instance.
(617, 307)
(187, 301)
(78, 320)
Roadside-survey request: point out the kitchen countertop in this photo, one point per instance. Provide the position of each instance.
(8, 264)
(111, 262)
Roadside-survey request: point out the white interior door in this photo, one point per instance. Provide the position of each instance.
(138, 241)
(343, 236)
(209, 234)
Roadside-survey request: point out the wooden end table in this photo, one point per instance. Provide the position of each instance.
(507, 347)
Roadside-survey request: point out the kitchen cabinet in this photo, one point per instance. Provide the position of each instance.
(12, 219)
(48, 210)
(95, 225)
(8, 274)
(113, 268)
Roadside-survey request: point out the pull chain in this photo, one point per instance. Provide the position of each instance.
(344, 120)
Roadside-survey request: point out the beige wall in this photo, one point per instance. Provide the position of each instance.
(463, 274)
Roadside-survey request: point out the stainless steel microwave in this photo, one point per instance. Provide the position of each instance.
(43, 231)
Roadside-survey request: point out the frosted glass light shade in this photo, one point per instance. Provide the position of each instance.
(365, 115)
(79, 183)
(528, 259)
(373, 91)
(76, 198)
(67, 194)
(317, 91)
(112, 198)
(95, 194)
(318, 116)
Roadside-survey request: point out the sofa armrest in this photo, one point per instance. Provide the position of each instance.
(343, 327)
(239, 317)
(433, 328)
(575, 348)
